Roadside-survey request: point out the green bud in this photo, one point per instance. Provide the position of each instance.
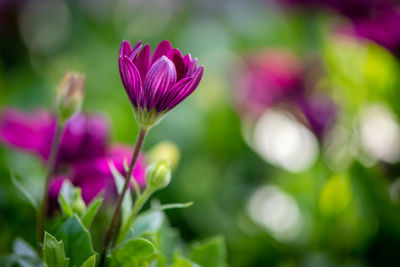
(158, 175)
(77, 204)
(70, 95)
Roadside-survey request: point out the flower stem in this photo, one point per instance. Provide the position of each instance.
(136, 208)
(51, 165)
(113, 225)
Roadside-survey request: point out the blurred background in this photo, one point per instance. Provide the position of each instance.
(289, 148)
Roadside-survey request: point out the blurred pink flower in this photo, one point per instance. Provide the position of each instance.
(267, 78)
(85, 136)
(374, 20)
(84, 153)
(274, 78)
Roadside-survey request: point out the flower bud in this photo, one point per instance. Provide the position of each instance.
(70, 95)
(77, 204)
(158, 175)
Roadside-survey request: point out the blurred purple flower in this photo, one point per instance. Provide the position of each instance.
(383, 28)
(160, 82)
(348, 8)
(374, 20)
(84, 152)
(320, 112)
(85, 136)
(95, 176)
(268, 78)
(277, 78)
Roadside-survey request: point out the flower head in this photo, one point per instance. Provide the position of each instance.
(266, 79)
(156, 84)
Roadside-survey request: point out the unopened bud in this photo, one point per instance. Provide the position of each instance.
(158, 175)
(70, 95)
(77, 204)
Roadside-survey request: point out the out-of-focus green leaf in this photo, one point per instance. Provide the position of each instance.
(135, 252)
(167, 207)
(210, 253)
(119, 180)
(91, 262)
(148, 224)
(77, 240)
(91, 212)
(182, 262)
(65, 208)
(24, 254)
(8, 260)
(25, 192)
(166, 240)
(53, 252)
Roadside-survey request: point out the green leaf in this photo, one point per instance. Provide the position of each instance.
(210, 253)
(167, 207)
(24, 254)
(21, 248)
(148, 224)
(91, 212)
(8, 260)
(91, 262)
(77, 241)
(25, 192)
(127, 201)
(66, 210)
(53, 252)
(182, 262)
(134, 252)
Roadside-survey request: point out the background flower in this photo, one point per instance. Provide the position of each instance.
(84, 153)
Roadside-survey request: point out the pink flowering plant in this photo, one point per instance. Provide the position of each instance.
(85, 172)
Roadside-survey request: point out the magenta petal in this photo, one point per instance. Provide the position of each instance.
(94, 176)
(187, 89)
(180, 86)
(191, 67)
(131, 79)
(85, 137)
(125, 49)
(32, 132)
(159, 79)
(142, 61)
(162, 49)
(135, 50)
(176, 56)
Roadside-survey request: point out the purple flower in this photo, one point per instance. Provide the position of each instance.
(383, 28)
(85, 136)
(84, 152)
(94, 176)
(156, 84)
(274, 78)
(374, 20)
(268, 78)
(320, 112)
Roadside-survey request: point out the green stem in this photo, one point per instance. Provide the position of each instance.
(49, 172)
(113, 224)
(136, 208)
